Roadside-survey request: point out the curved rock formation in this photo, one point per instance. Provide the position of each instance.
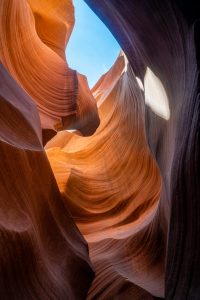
(132, 188)
(41, 249)
(154, 34)
(168, 75)
(112, 186)
(33, 53)
(43, 255)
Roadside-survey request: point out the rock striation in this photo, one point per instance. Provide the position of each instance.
(125, 183)
(111, 183)
(34, 54)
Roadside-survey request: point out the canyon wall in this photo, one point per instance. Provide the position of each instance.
(125, 184)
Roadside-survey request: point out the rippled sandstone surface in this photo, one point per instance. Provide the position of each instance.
(126, 182)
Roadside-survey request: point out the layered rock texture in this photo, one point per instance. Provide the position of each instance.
(129, 190)
(112, 185)
(33, 38)
(42, 253)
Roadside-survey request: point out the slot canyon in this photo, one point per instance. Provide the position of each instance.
(100, 187)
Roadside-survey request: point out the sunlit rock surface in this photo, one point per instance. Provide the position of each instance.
(132, 187)
(112, 185)
(33, 39)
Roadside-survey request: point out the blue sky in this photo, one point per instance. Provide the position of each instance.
(91, 49)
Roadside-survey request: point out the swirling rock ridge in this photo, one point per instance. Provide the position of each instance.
(111, 210)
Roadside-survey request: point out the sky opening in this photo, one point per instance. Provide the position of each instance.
(92, 49)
